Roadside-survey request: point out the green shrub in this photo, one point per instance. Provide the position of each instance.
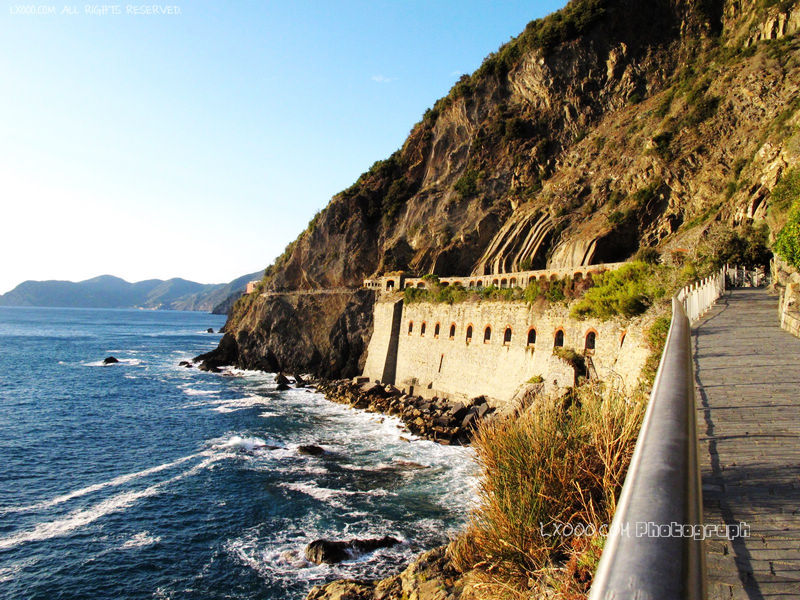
(656, 339)
(661, 144)
(648, 255)
(787, 244)
(786, 191)
(467, 184)
(626, 291)
(745, 246)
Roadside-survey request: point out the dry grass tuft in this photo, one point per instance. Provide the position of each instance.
(562, 462)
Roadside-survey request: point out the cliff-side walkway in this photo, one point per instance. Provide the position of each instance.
(748, 380)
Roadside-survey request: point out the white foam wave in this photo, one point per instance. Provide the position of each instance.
(122, 479)
(83, 517)
(195, 392)
(140, 540)
(329, 495)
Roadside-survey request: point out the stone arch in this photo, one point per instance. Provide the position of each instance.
(542, 278)
(507, 336)
(553, 277)
(390, 285)
(472, 284)
(504, 283)
(532, 336)
(487, 334)
(421, 285)
(422, 329)
(445, 283)
(436, 329)
(452, 331)
(590, 340)
(512, 282)
(410, 327)
(496, 282)
(558, 338)
(468, 337)
(577, 276)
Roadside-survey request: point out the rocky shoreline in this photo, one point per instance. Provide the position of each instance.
(431, 576)
(437, 419)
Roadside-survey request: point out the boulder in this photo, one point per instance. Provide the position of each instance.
(311, 450)
(369, 387)
(299, 381)
(209, 330)
(280, 378)
(458, 411)
(330, 552)
(327, 551)
(110, 360)
(283, 386)
(185, 363)
(469, 421)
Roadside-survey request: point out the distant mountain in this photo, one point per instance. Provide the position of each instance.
(108, 291)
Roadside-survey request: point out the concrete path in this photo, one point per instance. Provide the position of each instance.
(748, 379)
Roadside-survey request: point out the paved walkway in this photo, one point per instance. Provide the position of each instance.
(748, 380)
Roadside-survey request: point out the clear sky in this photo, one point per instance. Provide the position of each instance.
(199, 144)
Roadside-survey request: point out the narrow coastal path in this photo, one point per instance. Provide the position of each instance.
(748, 382)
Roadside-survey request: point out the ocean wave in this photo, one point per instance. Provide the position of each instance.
(246, 444)
(330, 495)
(121, 480)
(195, 392)
(140, 540)
(78, 519)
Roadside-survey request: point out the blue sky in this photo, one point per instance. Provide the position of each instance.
(198, 145)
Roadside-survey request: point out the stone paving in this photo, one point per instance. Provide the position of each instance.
(748, 382)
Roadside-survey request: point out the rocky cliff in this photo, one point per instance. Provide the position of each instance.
(610, 126)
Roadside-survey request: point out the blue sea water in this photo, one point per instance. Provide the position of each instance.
(149, 480)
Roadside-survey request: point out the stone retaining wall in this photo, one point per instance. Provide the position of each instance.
(431, 362)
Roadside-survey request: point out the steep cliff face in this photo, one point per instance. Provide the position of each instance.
(609, 126)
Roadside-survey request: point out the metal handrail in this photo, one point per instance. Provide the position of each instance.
(654, 549)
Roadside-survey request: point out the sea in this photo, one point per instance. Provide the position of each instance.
(145, 479)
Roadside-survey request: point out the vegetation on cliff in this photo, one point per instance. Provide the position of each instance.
(786, 201)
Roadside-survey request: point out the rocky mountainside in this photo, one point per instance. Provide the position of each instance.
(107, 291)
(608, 127)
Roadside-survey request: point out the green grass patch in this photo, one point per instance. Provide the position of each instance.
(787, 244)
(627, 291)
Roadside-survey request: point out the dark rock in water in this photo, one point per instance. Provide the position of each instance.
(227, 353)
(209, 330)
(326, 551)
(185, 363)
(330, 552)
(311, 450)
(110, 360)
(283, 386)
(299, 381)
(281, 378)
